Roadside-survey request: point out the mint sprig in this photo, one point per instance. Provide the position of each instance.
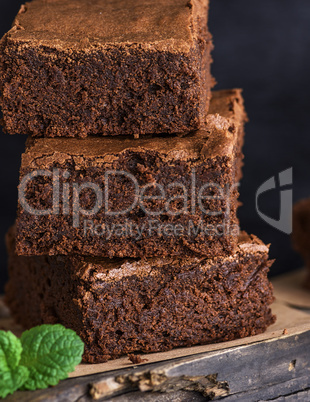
(43, 356)
(50, 352)
(12, 374)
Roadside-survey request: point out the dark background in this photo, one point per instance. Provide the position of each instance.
(263, 47)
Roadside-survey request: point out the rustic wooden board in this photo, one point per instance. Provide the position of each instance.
(267, 366)
(260, 371)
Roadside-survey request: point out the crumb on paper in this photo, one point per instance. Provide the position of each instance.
(136, 359)
(285, 331)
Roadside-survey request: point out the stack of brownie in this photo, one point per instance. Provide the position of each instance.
(127, 228)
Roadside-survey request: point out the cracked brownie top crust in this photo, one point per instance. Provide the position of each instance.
(163, 24)
(217, 139)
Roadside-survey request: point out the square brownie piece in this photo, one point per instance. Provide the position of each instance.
(111, 67)
(119, 197)
(123, 306)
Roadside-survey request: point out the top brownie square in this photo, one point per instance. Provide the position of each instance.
(76, 68)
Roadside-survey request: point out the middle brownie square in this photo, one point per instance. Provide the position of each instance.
(119, 197)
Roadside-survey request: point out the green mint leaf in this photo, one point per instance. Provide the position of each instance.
(12, 375)
(50, 352)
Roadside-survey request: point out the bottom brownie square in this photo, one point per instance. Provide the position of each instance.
(122, 306)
